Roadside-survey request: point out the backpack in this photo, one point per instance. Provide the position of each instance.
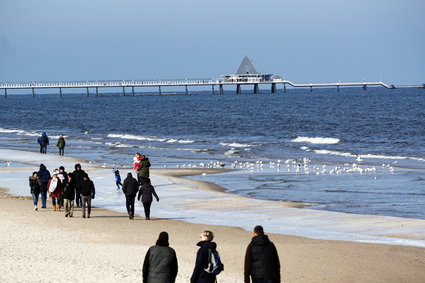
(214, 265)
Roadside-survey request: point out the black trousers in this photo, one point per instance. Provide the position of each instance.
(147, 206)
(129, 203)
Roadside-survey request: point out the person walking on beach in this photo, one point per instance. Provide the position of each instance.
(44, 177)
(87, 194)
(117, 178)
(136, 163)
(55, 188)
(78, 177)
(43, 141)
(202, 259)
(145, 196)
(143, 170)
(69, 195)
(63, 176)
(160, 264)
(261, 259)
(34, 183)
(61, 145)
(130, 189)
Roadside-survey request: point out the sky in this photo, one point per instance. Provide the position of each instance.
(299, 40)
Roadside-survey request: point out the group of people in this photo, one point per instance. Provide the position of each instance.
(43, 141)
(261, 263)
(63, 188)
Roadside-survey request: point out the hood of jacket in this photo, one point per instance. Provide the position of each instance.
(207, 244)
(262, 240)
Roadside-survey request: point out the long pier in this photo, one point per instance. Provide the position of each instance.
(160, 84)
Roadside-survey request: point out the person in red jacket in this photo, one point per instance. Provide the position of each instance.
(54, 188)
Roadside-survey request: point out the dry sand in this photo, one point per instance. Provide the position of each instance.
(44, 246)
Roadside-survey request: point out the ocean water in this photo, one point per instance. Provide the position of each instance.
(351, 151)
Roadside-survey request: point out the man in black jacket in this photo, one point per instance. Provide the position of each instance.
(130, 188)
(87, 194)
(261, 259)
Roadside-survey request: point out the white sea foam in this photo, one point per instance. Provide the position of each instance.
(316, 140)
(19, 132)
(145, 138)
(235, 144)
(371, 156)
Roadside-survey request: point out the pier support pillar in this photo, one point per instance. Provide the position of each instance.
(284, 88)
(364, 87)
(186, 91)
(273, 88)
(5, 93)
(337, 88)
(238, 89)
(33, 93)
(60, 92)
(256, 89)
(311, 89)
(212, 90)
(97, 91)
(88, 93)
(123, 90)
(159, 90)
(220, 89)
(132, 90)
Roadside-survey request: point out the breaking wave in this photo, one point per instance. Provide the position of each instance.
(316, 140)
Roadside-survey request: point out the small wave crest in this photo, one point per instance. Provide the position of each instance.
(144, 138)
(235, 144)
(371, 156)
(316, 140)
(19, 132)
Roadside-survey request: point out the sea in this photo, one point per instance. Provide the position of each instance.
(353, 151)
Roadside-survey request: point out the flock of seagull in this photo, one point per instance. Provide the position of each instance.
(301, 166)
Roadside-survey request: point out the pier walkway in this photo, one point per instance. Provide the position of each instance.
(125, 84)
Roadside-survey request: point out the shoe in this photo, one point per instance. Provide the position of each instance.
(54, 208)
(59, 208)
(43, 207)
(88, 216)
(35, 208)
(70, 216)
(66, 215)
(84, 216)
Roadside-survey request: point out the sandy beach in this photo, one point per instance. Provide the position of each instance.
(44, 246)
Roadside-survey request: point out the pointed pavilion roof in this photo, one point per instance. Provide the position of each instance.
(246, 67)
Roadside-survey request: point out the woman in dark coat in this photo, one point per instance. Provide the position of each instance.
(145, 195)
(35, 185)
(160, 265)
(69, 195)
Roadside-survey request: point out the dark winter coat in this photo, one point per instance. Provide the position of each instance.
(160, 265)
(69, 190)
(87, 188)
(130, 186)
(145, 193)
(61, 143)
(78, 177)
(261, 260)
(144, 168)
(34, 185)
(44, 177)
(199, 275)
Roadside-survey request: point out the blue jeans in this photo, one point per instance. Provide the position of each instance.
(35, 198)
(43, 198)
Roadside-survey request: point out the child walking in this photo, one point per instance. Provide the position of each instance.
(117, 178)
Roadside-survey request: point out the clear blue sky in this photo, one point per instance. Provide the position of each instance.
(301, 40)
